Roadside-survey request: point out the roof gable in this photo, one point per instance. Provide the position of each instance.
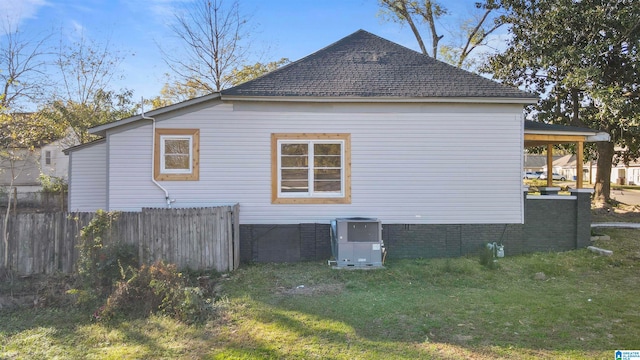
(363, 65)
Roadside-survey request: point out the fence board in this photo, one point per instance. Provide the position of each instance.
(202, 239)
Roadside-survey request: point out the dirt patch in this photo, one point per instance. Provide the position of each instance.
(616, 212)
(308, 290)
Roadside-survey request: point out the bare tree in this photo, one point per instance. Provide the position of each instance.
(22, 81)
(212, 32)
(86, 68)
(22, 68)
(84, 97)
(474, 31)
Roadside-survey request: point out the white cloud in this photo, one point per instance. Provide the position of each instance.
(77, 27)
(15, 12)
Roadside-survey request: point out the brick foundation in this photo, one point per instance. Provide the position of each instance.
(552, 223)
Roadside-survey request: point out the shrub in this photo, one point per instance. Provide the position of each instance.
(101, 263)
(52, 184)
(487, 258)
(157, 288)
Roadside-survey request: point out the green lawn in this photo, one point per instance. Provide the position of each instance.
(586, 307)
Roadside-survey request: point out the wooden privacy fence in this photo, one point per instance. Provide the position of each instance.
(199, 238)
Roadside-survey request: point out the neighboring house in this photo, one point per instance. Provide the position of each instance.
(566, 166)
(21, 169)
(536, 162)
(626, 174)
(29, 164)
(620, 173)
(361, 128)
(53, 161)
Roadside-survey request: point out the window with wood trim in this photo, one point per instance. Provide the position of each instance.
(177, 154)
(311, 168)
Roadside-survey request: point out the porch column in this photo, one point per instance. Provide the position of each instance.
(549, 165)
(579, 163)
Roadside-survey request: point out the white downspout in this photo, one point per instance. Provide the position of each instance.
(153, 147)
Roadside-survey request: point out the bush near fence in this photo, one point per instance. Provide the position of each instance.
(198, 238)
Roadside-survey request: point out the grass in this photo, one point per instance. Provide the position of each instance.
(586, 307)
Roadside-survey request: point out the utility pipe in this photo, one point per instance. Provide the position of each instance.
(153, 163)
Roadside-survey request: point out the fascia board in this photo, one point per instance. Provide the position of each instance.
(348, 99)
(101, 129)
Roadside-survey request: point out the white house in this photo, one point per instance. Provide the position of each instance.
(28, 164)
(363, 127)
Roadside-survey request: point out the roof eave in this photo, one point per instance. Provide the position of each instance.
(69, 150)
(102, 129)
(560, 132)
(381, 99)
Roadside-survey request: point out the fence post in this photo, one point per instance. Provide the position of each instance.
(235, 233)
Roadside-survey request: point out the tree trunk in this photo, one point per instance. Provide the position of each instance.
(602, 186)
(575, 108)
(5, 230)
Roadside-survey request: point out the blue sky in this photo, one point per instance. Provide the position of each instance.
(282, 28)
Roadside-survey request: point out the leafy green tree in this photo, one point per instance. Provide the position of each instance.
(582, 58)
(471, 33)
(105, 106)
(175, 91)
(250, 72)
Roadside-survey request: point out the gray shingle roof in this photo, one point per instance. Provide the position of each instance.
(363, 65)
(539, 126)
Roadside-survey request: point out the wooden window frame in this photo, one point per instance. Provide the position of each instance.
(306, 198)
(194, 135)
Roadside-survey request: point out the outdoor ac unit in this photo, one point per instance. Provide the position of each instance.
(357, 242)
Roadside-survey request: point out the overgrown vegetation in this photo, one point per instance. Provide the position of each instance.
(53, 184)
(109, 279)
(102, 262)
(584, 307)
(158, 288)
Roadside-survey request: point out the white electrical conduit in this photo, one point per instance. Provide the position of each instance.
(153, 147)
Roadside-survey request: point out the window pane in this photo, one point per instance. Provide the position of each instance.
(289, 161)
(327, 180)
(294, 186)
(324, 174)
(326, 149)
(173, 162)
(327, 186)
(294, 149)
(294, 174)
(294, 180)
(176, 146)
(330, 161)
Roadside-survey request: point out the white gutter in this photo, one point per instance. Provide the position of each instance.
(373, 99)
(601, 136)
(153, 146)
(590, 136)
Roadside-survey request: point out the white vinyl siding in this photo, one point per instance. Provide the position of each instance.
(410, 163)
(88, 178)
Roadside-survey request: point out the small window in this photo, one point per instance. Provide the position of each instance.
(176, 154)
(47, 157)
(311, 168)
